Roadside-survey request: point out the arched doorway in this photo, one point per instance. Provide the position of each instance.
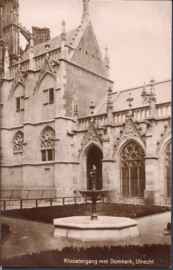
(94, 157)
(132, 170)
(168, 170)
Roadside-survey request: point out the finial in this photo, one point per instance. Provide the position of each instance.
(152, 81)
(144, 93)
(130, 99)
(47, 46)
(86, 15)
(152, 86)
(6, 62)
(110, 106)
(148, 97)
(109, 90)
(92, 107)
(109, 103)
(63, 32)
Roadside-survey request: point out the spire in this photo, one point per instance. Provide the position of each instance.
(150, 98)
(31, 54)
(63, 32)
(63, 39)
(86, 15)
(6, 63)
(107, 60)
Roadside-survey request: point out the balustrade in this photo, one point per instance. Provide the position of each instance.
(164, 110)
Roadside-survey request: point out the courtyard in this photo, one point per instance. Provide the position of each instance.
(31, 237)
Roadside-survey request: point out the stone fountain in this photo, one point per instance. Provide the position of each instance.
(94, 228)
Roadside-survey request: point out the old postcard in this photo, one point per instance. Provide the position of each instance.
(86, 134)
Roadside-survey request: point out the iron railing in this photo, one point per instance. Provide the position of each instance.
(7, 204)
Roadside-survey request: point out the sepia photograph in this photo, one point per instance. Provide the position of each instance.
(86, 95)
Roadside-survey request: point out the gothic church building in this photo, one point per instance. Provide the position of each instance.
(52, 132)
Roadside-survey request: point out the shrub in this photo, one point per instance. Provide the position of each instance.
(47, 214)
(159, 256)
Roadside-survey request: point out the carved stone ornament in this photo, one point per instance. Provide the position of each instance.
(47, 138)
(92, 136)
(18, 142)
(130, 131)
(132, 155)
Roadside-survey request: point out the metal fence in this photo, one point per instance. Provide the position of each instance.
(8, 204)
(27, 193)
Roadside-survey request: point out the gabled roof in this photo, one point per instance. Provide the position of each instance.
(162, 91)
(54, 43)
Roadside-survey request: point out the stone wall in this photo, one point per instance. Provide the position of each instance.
(83, 87)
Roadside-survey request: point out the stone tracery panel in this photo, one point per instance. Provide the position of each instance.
(132, 170)
(18, 142)
(47, 138)
(47, 144)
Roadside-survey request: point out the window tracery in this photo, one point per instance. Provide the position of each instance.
(132, 170)
(18, 143)
(47, 144)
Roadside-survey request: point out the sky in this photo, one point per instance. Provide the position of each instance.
(137, 33)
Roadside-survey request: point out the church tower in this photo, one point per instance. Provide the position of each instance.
(10, 29)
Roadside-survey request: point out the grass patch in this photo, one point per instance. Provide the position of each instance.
(124, 256)
(47, 214)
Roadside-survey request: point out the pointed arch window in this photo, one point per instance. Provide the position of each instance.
(47, 144)
(132, 170)
(168, 170)
(18, 143)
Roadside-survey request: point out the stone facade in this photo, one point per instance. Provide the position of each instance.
(48, 134)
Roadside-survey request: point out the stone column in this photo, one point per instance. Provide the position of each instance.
(151, 193)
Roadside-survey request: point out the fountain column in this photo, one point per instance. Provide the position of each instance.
(93, 175)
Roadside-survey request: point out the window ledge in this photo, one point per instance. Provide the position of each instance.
(48, 161)
(46, 103)
(19, 110)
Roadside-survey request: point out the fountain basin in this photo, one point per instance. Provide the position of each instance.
(106, 228)
(94, 193)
